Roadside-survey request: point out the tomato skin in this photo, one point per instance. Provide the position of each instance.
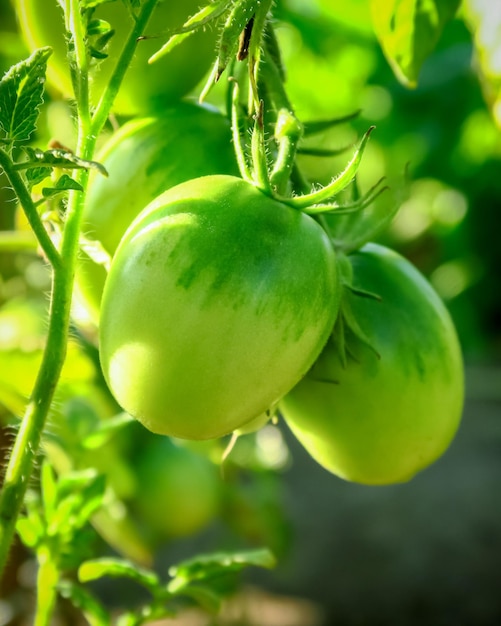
(179, 490)
(381, 420)
(218, 300)
(145, 86)
(144, 158)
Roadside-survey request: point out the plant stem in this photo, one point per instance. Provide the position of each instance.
(47, 580)
(28, 439)
(30, 209)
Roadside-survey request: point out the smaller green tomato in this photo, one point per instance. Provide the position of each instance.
(381, 419)
(145, 86)
(218, 300)
(178, 490)
(144, 158)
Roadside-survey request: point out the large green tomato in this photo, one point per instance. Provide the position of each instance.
(381, 420)
(144, 158)
(179, 490)
(218, 300)
(145, 85)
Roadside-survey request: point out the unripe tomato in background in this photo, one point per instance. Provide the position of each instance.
(178, 490)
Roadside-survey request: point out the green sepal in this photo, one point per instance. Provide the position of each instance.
(319, 126)
(349, 232)
(206, 15)
(347, 327)
(241, 14)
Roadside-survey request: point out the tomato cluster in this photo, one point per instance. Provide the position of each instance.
(224, 301)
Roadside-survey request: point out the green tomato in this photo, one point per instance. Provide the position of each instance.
(145, 85)
(143, 159)
(179, 490)
(380, 420)
(218, 300)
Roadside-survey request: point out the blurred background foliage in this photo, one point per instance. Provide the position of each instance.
(447, 131)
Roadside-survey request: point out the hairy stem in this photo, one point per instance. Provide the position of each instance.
(47, 580)
(30, 209)
(28, 439)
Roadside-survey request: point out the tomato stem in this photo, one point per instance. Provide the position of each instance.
(47, 580)
(108, 96)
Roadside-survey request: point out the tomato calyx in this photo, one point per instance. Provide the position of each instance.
(347, 328)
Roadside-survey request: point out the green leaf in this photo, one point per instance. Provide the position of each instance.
(49, 489)
(28, 531)
(80, 495)
(204, 597)
(98, 27)
(76, 481)
(64, 183)
(106, 429)
(132, 5)
(90, 4)
(95, 614)
(241, 14)
(315, 127)
(57, 158)
(21, 94)
(36, 175)
(408, 31)
(207, 566)
(117, 568)
(92, 496)
(204, 16)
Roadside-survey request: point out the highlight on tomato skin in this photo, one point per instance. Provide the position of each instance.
(210, 313)
(393, 409)
(183, 141)
(146, 87)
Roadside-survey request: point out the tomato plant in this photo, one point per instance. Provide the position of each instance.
(184, 141)
(178, 490)
(146, 86)
(393, 408)
(222, 291)
(207, 295)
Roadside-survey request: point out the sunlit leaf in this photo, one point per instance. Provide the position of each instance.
(209, 565)
(58, 158)
(21, 94)
(116, 568)
(409, 30)
(94, 612)
(64, 183)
